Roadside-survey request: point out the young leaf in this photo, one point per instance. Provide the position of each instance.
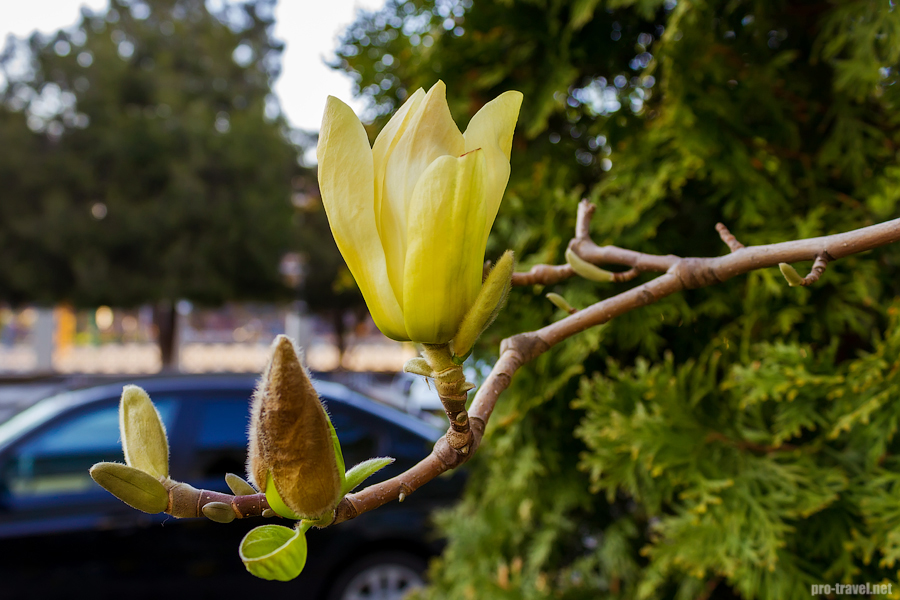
(143, 434)
(587, 270)
(238, 486)
(363, 471)
(275, 552)
(132, 486)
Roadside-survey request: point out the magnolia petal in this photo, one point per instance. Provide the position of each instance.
(491, 129)
(429, 134)
(387, 141)
(444, 259)
(347, 184)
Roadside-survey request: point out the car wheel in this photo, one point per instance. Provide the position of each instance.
(382, 576)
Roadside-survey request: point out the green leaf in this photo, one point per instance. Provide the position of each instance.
(363, 471)
(132, 486)
(275, 501)
(143, 434)
(218, 512)
(275, 552)
(238, 486)
(338, 453)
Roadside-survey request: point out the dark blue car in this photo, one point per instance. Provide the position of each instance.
(62, 534)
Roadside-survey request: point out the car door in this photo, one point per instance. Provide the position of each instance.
(44, 482)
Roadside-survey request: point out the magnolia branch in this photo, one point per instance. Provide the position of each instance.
(584, 246)
(678, 274)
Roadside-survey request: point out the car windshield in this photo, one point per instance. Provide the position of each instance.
(32, 416)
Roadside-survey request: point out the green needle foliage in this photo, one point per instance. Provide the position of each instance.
(732, 441)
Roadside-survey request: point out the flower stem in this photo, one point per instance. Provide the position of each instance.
(452, 389)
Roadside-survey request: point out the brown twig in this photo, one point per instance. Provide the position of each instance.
(733, 244)
(626, 275)
(680, 274)
(543, 275)
(584, 246)
(186, 501)
(819, 266)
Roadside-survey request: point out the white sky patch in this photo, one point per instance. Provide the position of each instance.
(309, 28)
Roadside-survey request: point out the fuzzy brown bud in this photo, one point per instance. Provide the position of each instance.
(290, 438)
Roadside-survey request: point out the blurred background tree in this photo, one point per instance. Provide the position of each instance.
(733, 441)
(145, 159)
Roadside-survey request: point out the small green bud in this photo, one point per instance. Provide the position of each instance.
(791, 275)
(132, 486)
(490, 300)
(238, 486)
(143, 434)
(561, 303)
(587, 270)
(275, 552)
(218, 512)
(293, 453)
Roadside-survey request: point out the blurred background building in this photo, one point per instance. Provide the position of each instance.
(234, 337)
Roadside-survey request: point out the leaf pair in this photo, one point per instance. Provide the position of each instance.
(139, 482)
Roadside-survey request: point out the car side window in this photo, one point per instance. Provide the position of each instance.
(221, 438)
(56, 461)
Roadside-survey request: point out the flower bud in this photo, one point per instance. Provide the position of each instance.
(292, 452)
(790, 275)
(589, 271)
(143, 434)
(132, 486)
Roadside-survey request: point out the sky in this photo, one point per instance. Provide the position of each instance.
(309, 29)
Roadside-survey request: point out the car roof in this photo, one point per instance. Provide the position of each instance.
(55, 405)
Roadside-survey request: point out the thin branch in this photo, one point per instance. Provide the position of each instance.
(543, 275)
(681, 274)
(584, 246)
(819, 266)
(733, 244)
(626, 275)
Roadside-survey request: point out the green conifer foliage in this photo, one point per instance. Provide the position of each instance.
(732, 441)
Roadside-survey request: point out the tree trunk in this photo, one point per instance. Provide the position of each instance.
(165, 319)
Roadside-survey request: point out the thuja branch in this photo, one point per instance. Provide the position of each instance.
(678, 274)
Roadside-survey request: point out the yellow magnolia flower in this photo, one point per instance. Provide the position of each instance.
(411, 215)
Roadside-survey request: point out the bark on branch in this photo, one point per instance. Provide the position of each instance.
(678, 274)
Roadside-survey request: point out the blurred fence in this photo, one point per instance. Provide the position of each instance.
(234, 338)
